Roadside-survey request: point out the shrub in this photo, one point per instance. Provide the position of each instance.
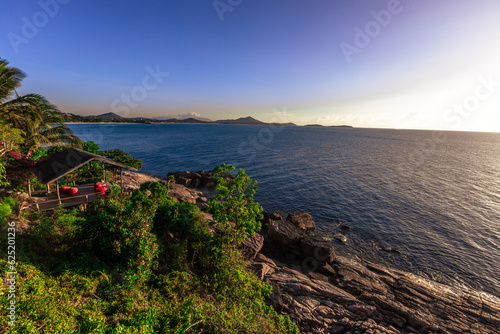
(6, 206)
(234, 206)
(118, 231)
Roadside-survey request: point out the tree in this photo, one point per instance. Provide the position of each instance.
(40, 120)
(10, 138)
(234, 206)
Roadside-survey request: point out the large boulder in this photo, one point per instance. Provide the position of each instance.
(194, 179)
(268, 216)
(302, 220)
(284, 232)
(317, 248)
(252, 245)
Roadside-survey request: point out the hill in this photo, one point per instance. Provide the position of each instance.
(249, 120)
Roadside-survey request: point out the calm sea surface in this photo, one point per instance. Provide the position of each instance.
(431, 197)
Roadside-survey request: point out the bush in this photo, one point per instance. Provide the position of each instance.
(118, 231)
(234, 206)
(138, 264)
(6, 206)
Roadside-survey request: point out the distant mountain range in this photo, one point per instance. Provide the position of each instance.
(183, 118)
(330, 126)
(115, 118)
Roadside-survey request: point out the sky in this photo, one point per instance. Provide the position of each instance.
(406, 64)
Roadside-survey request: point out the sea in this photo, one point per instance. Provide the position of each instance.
(427, 202)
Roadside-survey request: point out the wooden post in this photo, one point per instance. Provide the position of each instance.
(38, 207)
(29, 187)
(48, 189)
(57, 189)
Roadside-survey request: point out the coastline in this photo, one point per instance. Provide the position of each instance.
(351, 295)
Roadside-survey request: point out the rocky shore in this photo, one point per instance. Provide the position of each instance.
(326, 293)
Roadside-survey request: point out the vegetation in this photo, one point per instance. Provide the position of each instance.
(134, 264)
(233, 207)
(40, 120)
(128, 263)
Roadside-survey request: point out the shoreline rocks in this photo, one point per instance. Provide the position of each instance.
(195, 179)
(323, 294)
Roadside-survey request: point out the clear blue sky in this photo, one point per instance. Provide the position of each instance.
(380, 63)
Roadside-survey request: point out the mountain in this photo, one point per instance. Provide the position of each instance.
(191, 120)
(109, 115)
(243, 120)
(340, 126)
(182, 118)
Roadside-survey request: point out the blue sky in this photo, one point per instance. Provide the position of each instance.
(398, 64)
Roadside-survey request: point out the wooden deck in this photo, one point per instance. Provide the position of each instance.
(86, 195)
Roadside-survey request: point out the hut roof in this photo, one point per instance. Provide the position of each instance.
(65, 162)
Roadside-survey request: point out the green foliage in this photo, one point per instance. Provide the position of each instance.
(39, 153)
(10, 138)
(234, 206)
(135, 264)
(123, 158)
(6, 206)
(3, 175)
(118, 230)
(91, 146)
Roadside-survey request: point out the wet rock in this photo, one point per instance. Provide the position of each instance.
(340, 237)
(345, 227)
(302, 220)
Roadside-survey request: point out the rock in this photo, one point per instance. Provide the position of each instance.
(309, 302)
(195, 183)
(252, 245)
(183, 181)
(271, 216)
(325, 311)
(261, 270)
(262, 258)
(318, 276)
(201, 199)
(194, 179)
(267, 217)
(284, 232)
(183, 194)
(345, 226)
(327, 270)
(340, 237)
(302, 220)
(202, 206)
(317, 248)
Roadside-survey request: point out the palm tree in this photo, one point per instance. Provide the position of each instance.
(40, 120)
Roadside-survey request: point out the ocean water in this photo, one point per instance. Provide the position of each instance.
(423, 201)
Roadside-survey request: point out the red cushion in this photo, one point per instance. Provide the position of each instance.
(99, 186)
(64, 190)
(73, 190)
(100, 189)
